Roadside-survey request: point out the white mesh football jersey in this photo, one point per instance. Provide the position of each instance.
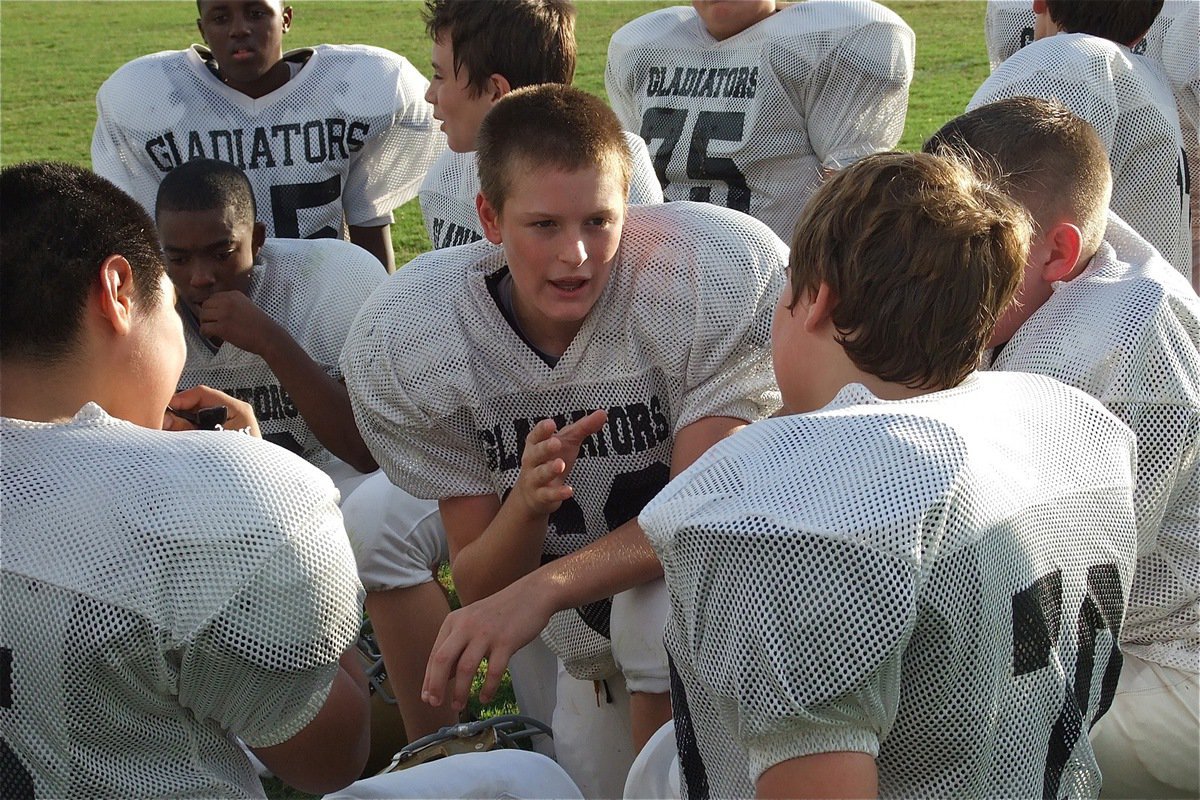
(937, 582)
(163, 593)
(1126, 99)
(344, 142)
(1127, 332)
(1007, 27)
(445, 391)
(313, 290)
(749, 122)
(452, 183)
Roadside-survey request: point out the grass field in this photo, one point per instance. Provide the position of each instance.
(55, 55)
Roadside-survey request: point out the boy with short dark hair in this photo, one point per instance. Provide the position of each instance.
(475, 376)
(194, 586)
(1082, 59)
(749, 104)
(332, 137)
(1100, 310)
(482, 51)
(877, 594)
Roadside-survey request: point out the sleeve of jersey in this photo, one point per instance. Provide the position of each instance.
(801, 636)
(644, 188)
(388, 170)
(115, 158)
(617, 74)
(262, 667)
(858, 98)
(429, 453)
(728, 369)
(347, 285)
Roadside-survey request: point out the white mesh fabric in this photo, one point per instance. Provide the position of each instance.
(816, 86)
(1127, 332)
(1007, 27)
(313, 290)
(163, 592)
(344, 142)
(902, 579)
(1125, 98)
(445, 391)
(449, 190)
(1174, 42)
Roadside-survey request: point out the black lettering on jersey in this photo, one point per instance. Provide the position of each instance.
(270, 402)
(1027, 38)
(450, 234)
(287, 131)
(16, 782)
(336, 129)
(631, 428)
(261, 150)
(314, 142)
(631, 491)
(222, 148)
(355, 143)
(702, 82)
(159, 155)
(195, 146)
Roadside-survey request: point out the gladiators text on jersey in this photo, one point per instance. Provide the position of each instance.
(315, 142)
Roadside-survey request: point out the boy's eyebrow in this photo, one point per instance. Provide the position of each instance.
(208, 246)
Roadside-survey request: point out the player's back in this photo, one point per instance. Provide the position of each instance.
(344, 142)
(1127, 332)
(162, 591)
(312, 289)
(750, 121)
(934, 581)
(449, 190)
(1127, 100)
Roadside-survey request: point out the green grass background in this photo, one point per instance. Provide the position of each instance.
(55, 55)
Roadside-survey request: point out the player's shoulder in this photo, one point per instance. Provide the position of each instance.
(149, 65)
(367, 77)
(320, 267)
(141, 85)
(665, 27)
(453, 174)
(834, 17)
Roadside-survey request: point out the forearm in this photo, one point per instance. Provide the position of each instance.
(377, 241)
(613, 563)
(509, 548)
(321, 400)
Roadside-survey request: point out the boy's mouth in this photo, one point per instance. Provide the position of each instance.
(569, 285)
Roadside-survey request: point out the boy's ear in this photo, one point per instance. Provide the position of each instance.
(497, 86)
(287, 18)
(258, 238)
(818, 308)
(1062, 246)
(200, 27)
(490, 219)
(115, 302)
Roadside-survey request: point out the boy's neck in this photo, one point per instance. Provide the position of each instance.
(268, 82)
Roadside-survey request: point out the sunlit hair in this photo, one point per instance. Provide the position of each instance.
(1048, 159)
(527, 41)
(548, 126)
(60, 223)
(1121, 21)
(921, 257)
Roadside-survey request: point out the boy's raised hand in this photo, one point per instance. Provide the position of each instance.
(547, 460)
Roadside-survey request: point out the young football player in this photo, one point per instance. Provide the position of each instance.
(266, 321)
(332, 137)
(749, 104)
(910, 584)
(164, 591)
(1100, 310)
(1081, 58)
(583, 341)
(482, 51)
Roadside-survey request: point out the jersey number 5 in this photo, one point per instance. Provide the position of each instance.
(1037, 619)
(287, 199)
(725, 126)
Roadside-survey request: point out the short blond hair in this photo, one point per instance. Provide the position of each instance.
(921, 257)
(549, 125)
